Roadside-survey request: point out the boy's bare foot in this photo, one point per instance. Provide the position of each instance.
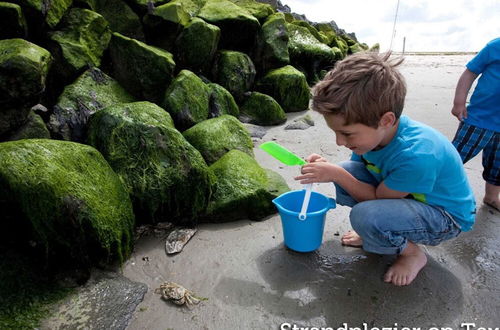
(351, 238)
(407, 265)
(493, 204)
(492, 196)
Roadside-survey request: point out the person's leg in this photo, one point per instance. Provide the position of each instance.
(491, 173)
(395, 226)
(470, 140)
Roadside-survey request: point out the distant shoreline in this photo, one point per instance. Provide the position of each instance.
(434, 53)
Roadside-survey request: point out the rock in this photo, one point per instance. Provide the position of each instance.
(288, 86)
(91, 92)
(44, 14)
(178, 238)
(74, 204)
(12, 21)
(215, 137)
(235, 72)
(301, 123)
(256, 131)
(143, 70)
(187, 100)
(196, 45)
(262, 109)
(167, 178)
(238, 26)
(34, 128)
(319, 37)
(259, 10)
(356, 48)
(221, 102)
(79, 43)
(242, 189)
(272, 44)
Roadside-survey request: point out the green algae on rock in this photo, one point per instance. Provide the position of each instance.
(235, 72)
(259, 10)
(91, 92)
(215, 137)
(167, 178)
(76, 206)
(272, 44)
(186, 99)
(145, 71)
(12, 21)
(34, 128)
(242, 190)
(262, 109)
(221, 102)
(48, 12)
(288, 86)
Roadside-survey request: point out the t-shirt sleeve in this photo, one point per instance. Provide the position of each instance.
(480, 61)
(413, 174)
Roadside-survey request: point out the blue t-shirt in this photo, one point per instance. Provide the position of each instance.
(422, 161)
(484, 107)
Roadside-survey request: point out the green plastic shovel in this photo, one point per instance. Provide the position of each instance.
(289, 158)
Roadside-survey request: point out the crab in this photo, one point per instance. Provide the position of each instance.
(178, 294)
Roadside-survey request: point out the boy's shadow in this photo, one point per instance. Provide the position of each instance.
(342, 284)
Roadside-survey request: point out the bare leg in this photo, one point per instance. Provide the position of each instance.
(492, 196)
(351, 238)
(407, 266)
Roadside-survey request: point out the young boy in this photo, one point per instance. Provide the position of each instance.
(405, 181)
(479, 127)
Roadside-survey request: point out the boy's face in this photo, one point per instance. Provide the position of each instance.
(359, 138)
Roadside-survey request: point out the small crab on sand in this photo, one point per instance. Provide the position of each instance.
(178, 294)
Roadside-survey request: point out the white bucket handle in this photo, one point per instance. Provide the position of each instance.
(305, 203)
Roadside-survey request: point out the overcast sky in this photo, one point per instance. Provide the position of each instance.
(428, 25)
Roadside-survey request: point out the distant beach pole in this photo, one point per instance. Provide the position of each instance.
(404, 44)
(394, 26)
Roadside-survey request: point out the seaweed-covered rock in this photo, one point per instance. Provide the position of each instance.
(23, 72)
(272, 46)
(166, 177)
(215, 137)
(145, 71)
(68, 198)
(91, 92)
(235, 71)
(356, 48)
(34, 128)
(221, 102)
(288, 86)
(238, 26)
(196, 45)
(276, 184)
(186, 99)
(259, 10)
(42, 12)
(145, 6)
(319, 37)
(243, 189)
(262, 109)
(79, 43)
(12, 22)
(326, 31)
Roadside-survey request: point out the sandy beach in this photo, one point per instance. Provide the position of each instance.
(253, 282)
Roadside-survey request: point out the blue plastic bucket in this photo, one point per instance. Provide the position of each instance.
(303, 235)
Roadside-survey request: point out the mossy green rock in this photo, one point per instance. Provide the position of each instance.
(76, 206)
(192, 7)
(34, 128)
(262, 109)
(221, 102)
(215, 137)
(326, 31)
(48, 12)
(288, 86)
(166, 176)
(91, 92)
(272, 49)
(243, 189)
(238, 26)
(187, 100)
(259, 10)
(234, 71)
(145, 71)
(312, 30)
(356, 48)
(12, 22)
(80, 42)
(196, 45)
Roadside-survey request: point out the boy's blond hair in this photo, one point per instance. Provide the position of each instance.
(361, 88)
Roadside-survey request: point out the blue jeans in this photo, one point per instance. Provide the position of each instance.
(386, 225)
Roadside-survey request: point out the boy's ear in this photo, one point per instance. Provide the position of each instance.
(387, 120)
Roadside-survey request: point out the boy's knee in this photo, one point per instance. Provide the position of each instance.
(364, 216)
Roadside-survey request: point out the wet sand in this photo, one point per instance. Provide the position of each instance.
(253, 282)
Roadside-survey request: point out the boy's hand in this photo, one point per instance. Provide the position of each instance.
(318, 171)
(459, 111)
(312, 158)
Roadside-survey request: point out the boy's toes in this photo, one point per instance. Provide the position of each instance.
(351, 238)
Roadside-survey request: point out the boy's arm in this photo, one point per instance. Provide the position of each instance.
(463, 86)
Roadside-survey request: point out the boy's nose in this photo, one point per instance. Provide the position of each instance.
(340, 140)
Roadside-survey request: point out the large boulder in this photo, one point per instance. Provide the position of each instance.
(262, 109)
(196, 45)
(243, 189)
(23, 72)
(34, 128)
(166, 176)
(145, 71)
(12, 22)
(187, 100)
(234, 71)
(41, 13)
(272, 44)
(68, 202)
(259, 10)
(238, 26)
(91, 92)
(79, 43)
(215, 137)
(221, 102)
(288, 86)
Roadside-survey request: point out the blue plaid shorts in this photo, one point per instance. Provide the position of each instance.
(470, 140)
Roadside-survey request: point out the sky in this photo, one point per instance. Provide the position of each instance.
(422, 25)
